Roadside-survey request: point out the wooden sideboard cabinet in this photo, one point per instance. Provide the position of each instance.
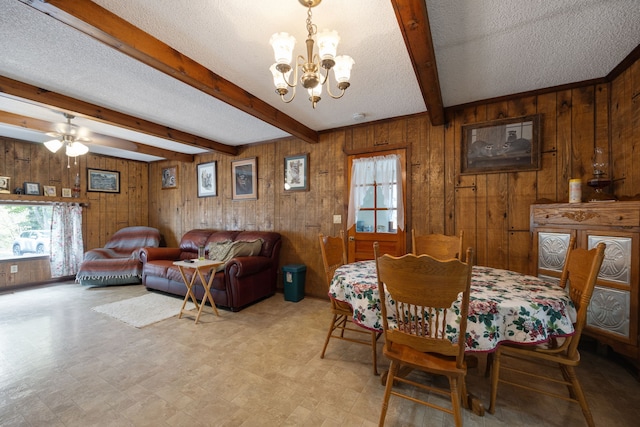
(612, 317)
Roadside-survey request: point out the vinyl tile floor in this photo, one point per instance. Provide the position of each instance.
(63, 364)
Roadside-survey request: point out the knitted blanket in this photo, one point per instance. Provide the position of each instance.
(118, 262)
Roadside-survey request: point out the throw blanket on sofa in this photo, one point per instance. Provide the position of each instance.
(224, 251)
(118, 262)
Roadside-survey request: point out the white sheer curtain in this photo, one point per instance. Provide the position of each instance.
(67, 247)
(386, 172)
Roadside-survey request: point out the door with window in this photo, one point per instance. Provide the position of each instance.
(377, 183)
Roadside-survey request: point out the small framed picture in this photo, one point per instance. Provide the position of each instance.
(207, 179)
(49, 190)
(4, 184)
(170, 177)
(296, 173)
(66, 192)
(32, 188)
(244, 175)
(103, 181)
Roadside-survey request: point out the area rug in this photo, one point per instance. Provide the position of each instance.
(145, 310)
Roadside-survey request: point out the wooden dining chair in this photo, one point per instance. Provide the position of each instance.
(580, 271)
(437, 245)
(424, 290)
(334, 254)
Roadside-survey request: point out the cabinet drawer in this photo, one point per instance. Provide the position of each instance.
(620, 217)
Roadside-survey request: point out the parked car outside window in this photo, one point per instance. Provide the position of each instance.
(32, 241)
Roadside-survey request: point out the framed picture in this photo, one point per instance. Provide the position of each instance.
(170, 177)
(244, 175)
(296, 173)
(32, 188)
(507, 145)
(103, 181)
(4, 184)
(66, 192)
(207, 179)
(49, 190)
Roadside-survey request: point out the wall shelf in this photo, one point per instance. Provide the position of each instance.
(27, 198)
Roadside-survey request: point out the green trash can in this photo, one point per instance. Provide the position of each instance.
(293, 277)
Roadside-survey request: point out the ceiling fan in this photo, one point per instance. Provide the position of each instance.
(70, 139)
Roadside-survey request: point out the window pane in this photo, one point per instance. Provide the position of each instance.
(369, 202)
(386, 200)
(364, 221)
(387, 221)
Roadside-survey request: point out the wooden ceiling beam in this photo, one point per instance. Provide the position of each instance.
(414, 24)
(99, 139)
(105, 26)
(63, 103)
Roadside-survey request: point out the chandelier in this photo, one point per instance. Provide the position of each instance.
(69, 139)
(312, 79)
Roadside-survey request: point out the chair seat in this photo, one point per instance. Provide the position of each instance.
(432, 362)
(341, 308)
(540, 353)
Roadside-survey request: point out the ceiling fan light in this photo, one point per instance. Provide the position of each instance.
(328, 44)
(76, 149)
(53, 145)
(342, 69)
(282, 44)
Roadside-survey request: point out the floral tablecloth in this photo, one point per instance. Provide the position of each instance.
(503, 305)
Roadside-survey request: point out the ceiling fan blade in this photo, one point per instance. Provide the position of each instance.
(53, 134)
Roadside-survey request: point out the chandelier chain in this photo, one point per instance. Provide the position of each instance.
(312, 29)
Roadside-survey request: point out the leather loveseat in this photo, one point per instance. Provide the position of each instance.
(242, 281)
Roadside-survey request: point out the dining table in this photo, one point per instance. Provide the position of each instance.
(504, 306)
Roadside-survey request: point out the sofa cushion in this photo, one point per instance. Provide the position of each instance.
(158, 267)
(194, 239)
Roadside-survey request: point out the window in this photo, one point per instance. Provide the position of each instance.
(26, 230)
(376, 199)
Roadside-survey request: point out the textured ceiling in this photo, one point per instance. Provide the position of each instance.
(491, 48)
(484, 49)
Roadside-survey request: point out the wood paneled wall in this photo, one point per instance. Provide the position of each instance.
(492, 209)
(106, 212)
(109, 212)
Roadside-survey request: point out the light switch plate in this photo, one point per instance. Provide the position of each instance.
(14, 268)
(337, 219)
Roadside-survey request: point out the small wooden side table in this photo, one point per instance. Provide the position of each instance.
(199, 266)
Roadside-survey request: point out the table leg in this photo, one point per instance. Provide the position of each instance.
(207, 294)
(189, 285)
(470, 401)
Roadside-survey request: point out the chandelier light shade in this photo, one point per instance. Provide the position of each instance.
(309, 67)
